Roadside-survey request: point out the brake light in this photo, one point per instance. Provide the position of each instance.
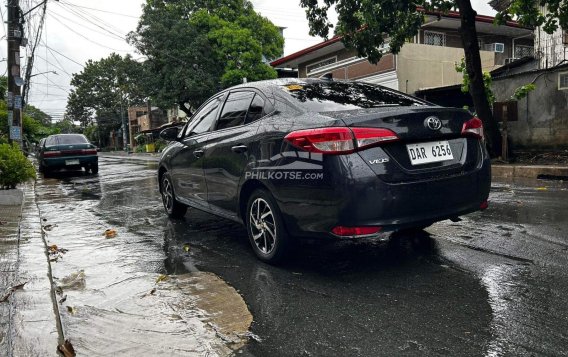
(473, 128)
(323, 140)
(355, 231)
(339, 140)
(51, 153)
(89, 151)
(366, 137)
(484, 205)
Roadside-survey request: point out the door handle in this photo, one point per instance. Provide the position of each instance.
(239, 148)
(198, 153)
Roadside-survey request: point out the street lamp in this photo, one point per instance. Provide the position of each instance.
(37, 74)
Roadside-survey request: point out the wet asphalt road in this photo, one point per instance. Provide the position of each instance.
(495, 284)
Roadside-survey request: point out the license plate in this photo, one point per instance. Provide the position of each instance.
(424, 153)
(71, 162)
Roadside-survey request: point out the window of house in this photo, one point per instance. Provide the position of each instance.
(314, 66)
(563, 80)
(523, 51)
(434, 38)
(235, 110)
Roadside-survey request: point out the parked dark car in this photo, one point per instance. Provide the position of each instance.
(296, 158)
(67, 151)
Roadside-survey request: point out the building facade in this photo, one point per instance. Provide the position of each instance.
(426, 61)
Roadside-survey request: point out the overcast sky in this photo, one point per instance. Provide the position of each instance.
(78, 30)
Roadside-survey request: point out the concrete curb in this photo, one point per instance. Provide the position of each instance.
(528, 171)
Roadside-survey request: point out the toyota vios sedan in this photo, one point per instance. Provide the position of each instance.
(294, 158)
(67, 151)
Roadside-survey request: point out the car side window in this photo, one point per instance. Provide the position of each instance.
(204, 119)
(235, 110)
(256, 109)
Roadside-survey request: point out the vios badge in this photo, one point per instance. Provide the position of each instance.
(433, 123)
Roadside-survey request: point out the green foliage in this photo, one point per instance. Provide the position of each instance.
(528, 13)
(91, 132)
(195, 47)
(523, 91)
(15, 168)
(106, 86)
(487, 81)
(160, 145)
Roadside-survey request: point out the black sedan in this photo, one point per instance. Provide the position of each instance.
(294, 158)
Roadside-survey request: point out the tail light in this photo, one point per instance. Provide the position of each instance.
(89, 151)
(355, 231)
(473, 128)
(51, 153)
(339, 140)
(484, 205)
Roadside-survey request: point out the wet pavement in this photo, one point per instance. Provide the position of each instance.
(494, 284)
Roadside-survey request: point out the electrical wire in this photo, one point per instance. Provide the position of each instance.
(85, 37)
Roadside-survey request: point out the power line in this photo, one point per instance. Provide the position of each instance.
(83, 17)
(90, 17)
(85, 37)
(62, 55)
(89, 28)
(91, 8)
(54, 66)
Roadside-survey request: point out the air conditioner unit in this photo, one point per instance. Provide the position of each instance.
(495, 47)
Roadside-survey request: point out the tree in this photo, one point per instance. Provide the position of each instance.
(196, 47)
(103, 91)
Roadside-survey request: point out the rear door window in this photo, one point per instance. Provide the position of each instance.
(256, 110)
(235, 110)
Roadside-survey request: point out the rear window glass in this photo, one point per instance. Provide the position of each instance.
(335, 96)
(66, 139)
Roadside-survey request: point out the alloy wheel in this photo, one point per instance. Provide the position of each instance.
(167, 194)
(262, 225)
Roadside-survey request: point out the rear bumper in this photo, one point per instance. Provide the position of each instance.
(361, 198)
(62, 162)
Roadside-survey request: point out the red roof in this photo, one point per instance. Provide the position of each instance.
(451, 14)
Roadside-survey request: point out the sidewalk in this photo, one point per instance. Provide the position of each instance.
(28, 321)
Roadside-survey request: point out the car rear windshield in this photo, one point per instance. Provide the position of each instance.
(336, 96)
(65, 139)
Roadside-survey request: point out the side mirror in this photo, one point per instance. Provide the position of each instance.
(170, 134)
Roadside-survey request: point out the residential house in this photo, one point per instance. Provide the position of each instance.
(139, 120)
(426, 61)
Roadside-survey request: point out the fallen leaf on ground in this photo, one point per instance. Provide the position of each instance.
(71, 310)
(2, 223)
(62, 300)
(161, 278)
(542, 188)
(66, 349)
(110, 233)
(186, 247)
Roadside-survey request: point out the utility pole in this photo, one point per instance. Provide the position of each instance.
(14, 36)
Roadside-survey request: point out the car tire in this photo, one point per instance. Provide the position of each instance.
(267, 234)
(95, 168)
(173, 207)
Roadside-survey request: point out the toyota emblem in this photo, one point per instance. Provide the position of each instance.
(433, 123)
